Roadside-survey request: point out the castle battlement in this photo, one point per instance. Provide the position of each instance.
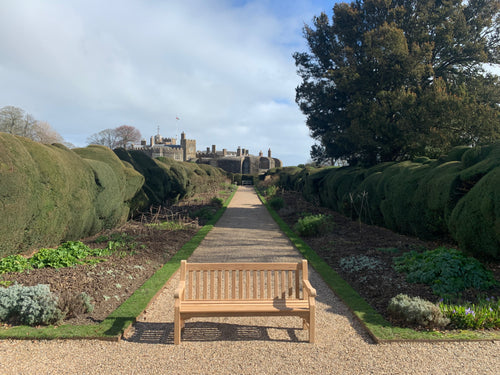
(239, 161)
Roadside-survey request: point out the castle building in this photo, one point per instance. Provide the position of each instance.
(168, 147)
(239, 161)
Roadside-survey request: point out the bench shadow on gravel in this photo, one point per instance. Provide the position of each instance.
(163, 333)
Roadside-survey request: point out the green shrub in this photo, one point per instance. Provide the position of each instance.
(205, 213)
(14, 263)
(447, 271)
(271, 191)
(72, 306)
(483, 315)
(415, 311)
(358, 263)
(276, 203)
(29, 305)
(313, 225)
(216, 202)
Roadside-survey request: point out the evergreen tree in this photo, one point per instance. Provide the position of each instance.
(387, 80)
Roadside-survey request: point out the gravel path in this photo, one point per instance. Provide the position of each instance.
(246, 232)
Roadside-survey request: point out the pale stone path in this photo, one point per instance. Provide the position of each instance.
(246, 232)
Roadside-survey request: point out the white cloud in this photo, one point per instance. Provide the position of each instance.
(224, 67)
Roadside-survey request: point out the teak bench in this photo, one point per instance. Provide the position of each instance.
(244, 289)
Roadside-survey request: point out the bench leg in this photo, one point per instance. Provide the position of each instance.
(312, 324)
(178, 323)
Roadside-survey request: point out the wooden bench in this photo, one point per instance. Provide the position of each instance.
(244, 289)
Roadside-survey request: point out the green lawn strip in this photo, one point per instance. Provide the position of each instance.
(379, 328)
(119, 320)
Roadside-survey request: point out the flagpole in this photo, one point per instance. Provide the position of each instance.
(177, 127)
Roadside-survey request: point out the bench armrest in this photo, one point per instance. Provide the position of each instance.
(311, 292)
(179, 292)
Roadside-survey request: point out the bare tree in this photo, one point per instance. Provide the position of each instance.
(106, 137)
(11, 119)
(121, 136)
(127, 135)
(44, 133)
(14, 120)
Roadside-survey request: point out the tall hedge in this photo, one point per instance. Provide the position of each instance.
(49, 193)
(457, 195)
(168, 180)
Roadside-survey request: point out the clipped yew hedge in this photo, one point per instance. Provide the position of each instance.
(457, 195)
(168, 180)
(50, 194)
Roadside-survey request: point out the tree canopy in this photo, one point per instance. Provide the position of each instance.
(387, 80)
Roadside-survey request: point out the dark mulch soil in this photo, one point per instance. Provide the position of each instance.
(351, 238)
(111, 282)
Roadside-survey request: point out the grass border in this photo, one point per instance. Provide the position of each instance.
(113, 327)
(378, 328)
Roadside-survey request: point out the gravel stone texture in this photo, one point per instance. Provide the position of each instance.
(275, 345)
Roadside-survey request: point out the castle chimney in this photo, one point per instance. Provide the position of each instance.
(208, 150)
(269, 153)
(213, 149)
(261, 154)
(224, 152)
(243, 152)
(238, 152)
(152, 141)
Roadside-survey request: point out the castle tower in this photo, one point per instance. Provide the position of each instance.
(261, 154)
(269, 153)
(188, 148)
(238, 151)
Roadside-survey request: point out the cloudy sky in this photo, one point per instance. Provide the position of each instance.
(223, 67)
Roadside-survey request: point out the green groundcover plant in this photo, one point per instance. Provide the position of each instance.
(277, 203)
(483, 315)
(313, 225)
(68, 254)
(448, 271)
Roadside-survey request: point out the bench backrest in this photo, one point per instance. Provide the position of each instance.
(226, 281)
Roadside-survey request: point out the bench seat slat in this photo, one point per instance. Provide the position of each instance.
(242, 266)
(211, 308)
